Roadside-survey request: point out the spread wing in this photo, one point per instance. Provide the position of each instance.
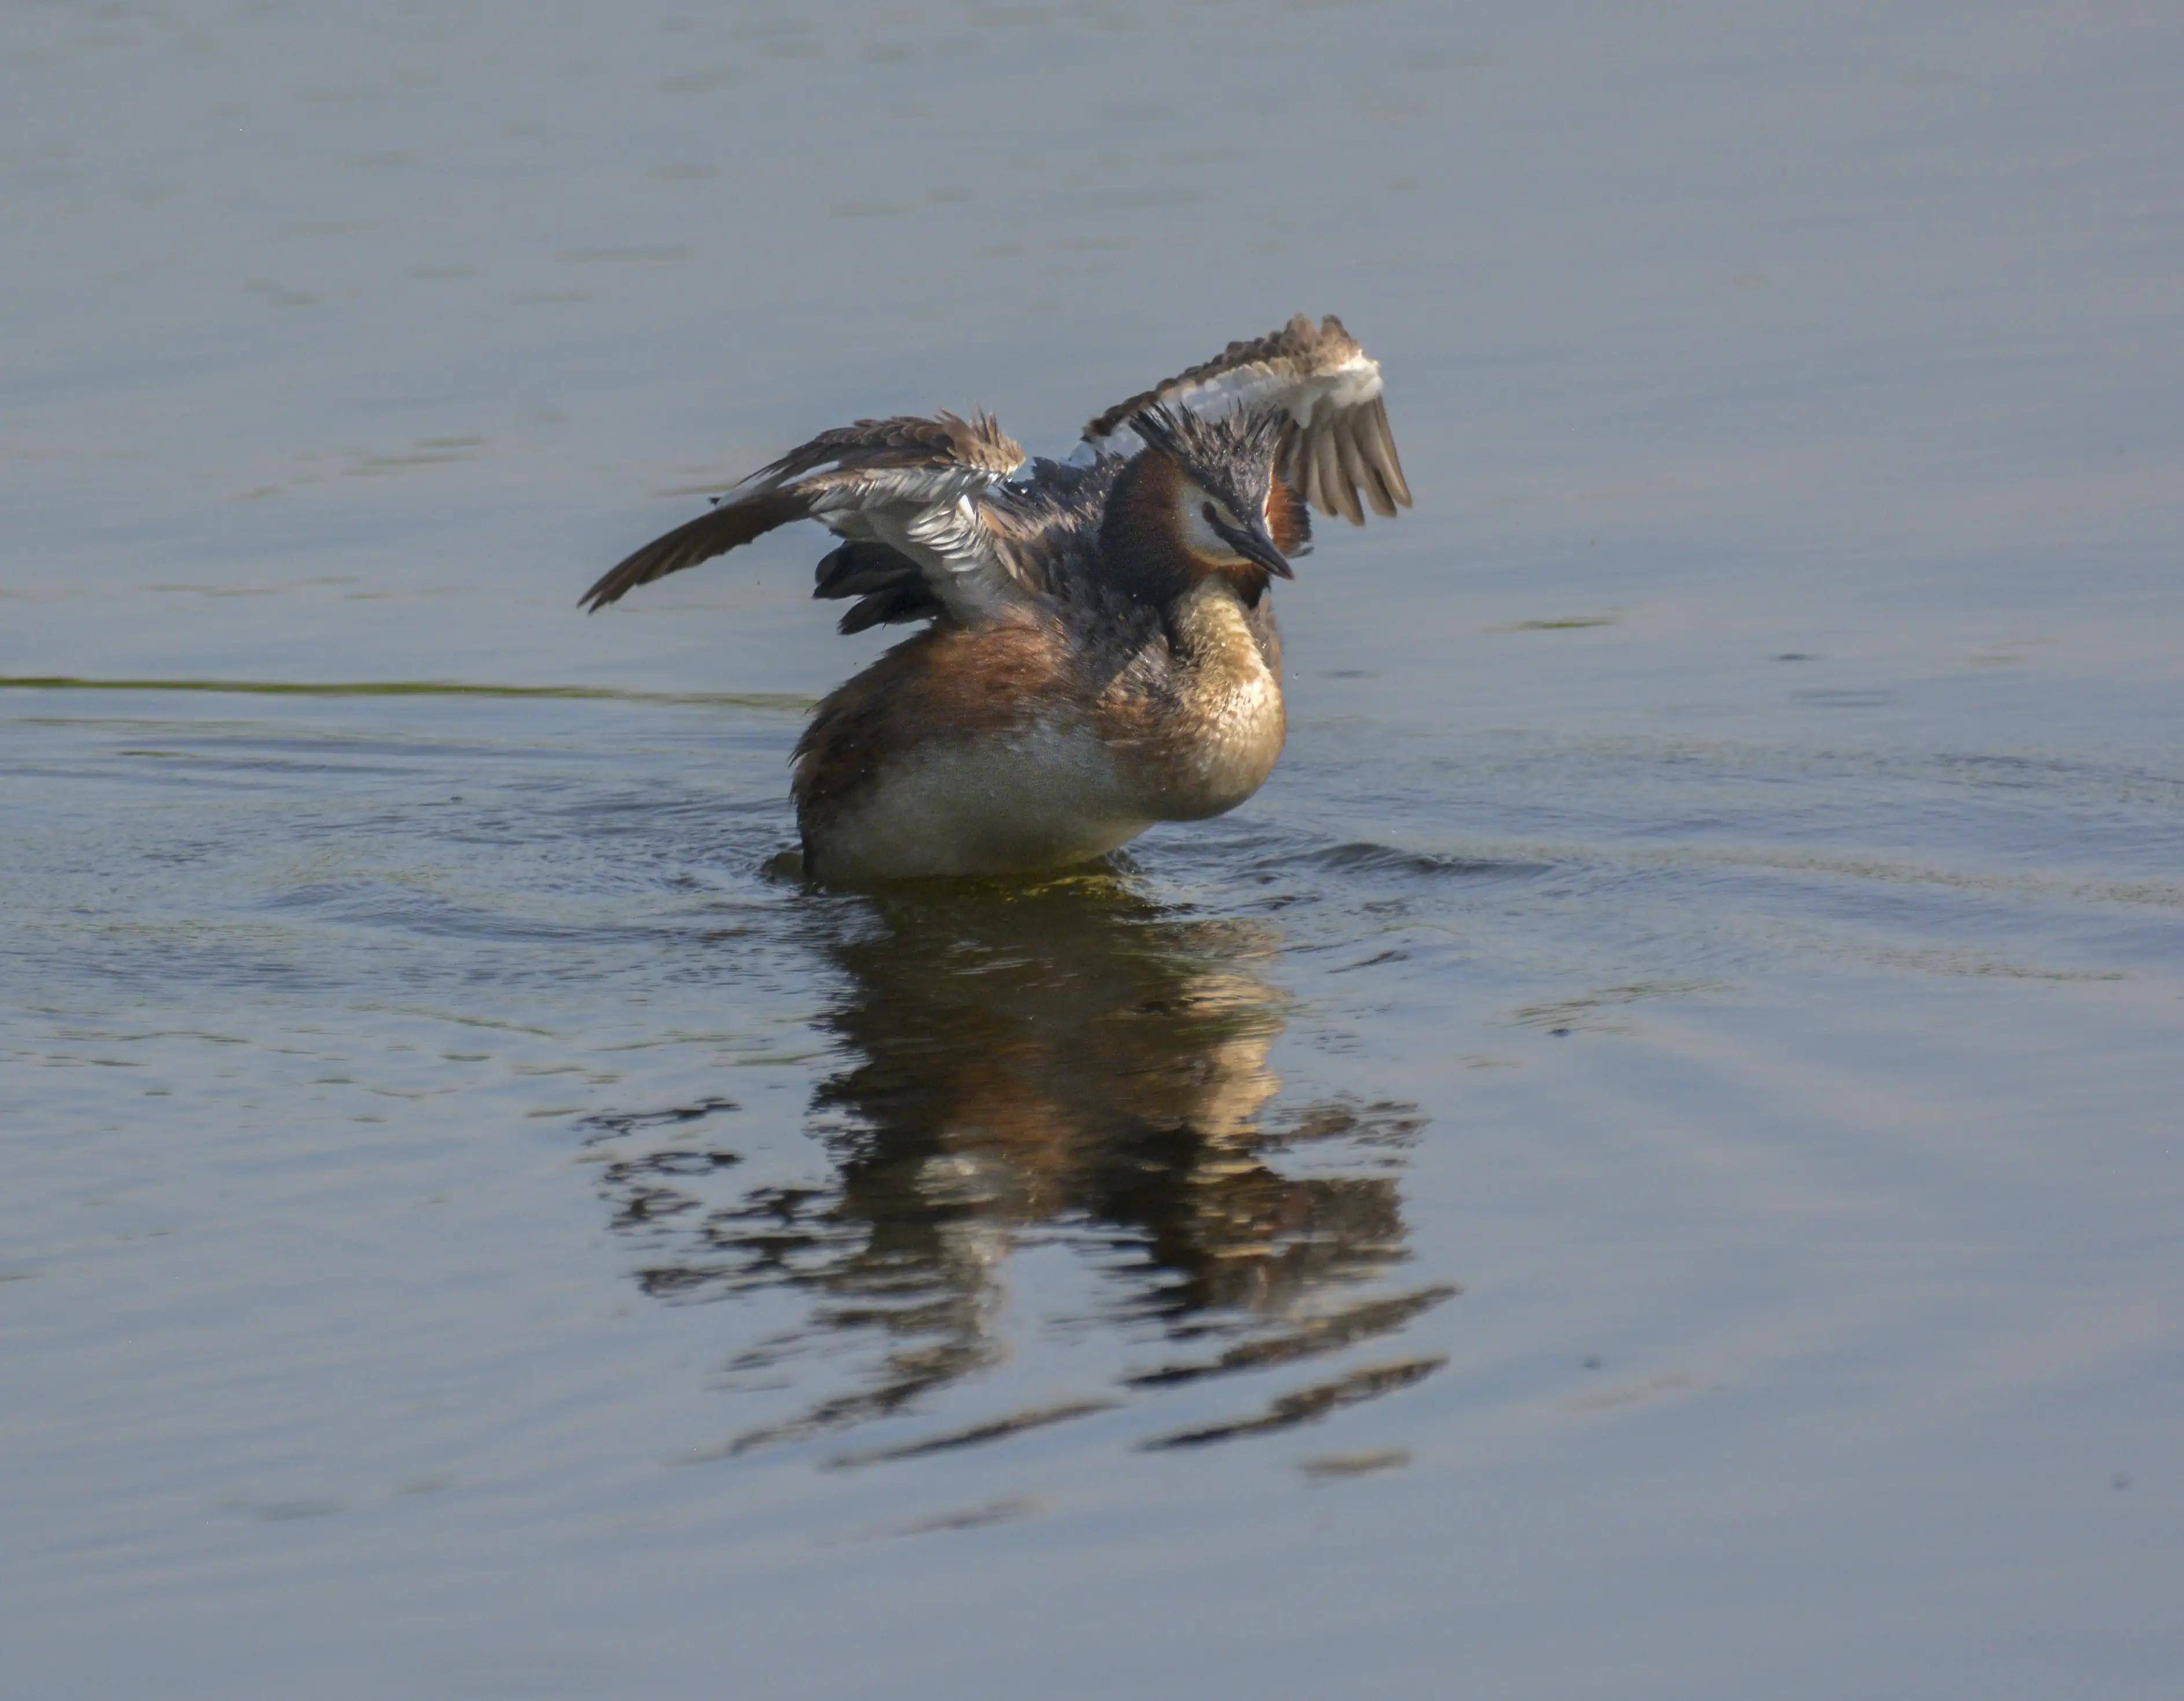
(1336, 441)
(920, 503)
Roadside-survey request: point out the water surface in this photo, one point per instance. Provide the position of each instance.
(1644, 1163)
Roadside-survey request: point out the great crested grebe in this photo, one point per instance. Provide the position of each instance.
(1101, 651)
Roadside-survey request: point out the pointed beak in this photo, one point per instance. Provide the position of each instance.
(1254, 546)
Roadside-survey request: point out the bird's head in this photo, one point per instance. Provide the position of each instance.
(1208, 488)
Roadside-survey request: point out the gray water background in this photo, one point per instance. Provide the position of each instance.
(1644, 1163)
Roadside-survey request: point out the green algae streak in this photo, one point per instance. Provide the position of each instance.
(783, 700)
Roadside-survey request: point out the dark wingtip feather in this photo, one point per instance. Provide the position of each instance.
(694, 541)
(859, 566)
(1385, 458)
(889, 607)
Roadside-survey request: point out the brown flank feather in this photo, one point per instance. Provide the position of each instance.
(947, 682)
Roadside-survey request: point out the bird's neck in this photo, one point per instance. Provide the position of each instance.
(1223, 727)
(1216, 635)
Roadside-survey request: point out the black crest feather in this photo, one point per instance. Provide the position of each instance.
(1229, 443)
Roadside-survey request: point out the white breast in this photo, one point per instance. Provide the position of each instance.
(1047, 796)
(1232, 722)
(1243, 735)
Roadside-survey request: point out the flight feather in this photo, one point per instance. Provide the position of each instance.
(1336, 445)
(918, 487)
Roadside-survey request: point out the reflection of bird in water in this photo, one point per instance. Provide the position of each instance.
(1060, 1063)
(1102, 652)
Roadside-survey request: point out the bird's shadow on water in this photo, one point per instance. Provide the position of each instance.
(1067, 1062)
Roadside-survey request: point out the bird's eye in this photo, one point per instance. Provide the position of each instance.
(1217, 514)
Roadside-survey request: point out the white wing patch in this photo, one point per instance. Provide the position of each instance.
(1243, 389)
(934, 518)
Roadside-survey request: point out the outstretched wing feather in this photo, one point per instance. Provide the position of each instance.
(731, 524)
(1337, 443)
(1389, 463)
(910, 491)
